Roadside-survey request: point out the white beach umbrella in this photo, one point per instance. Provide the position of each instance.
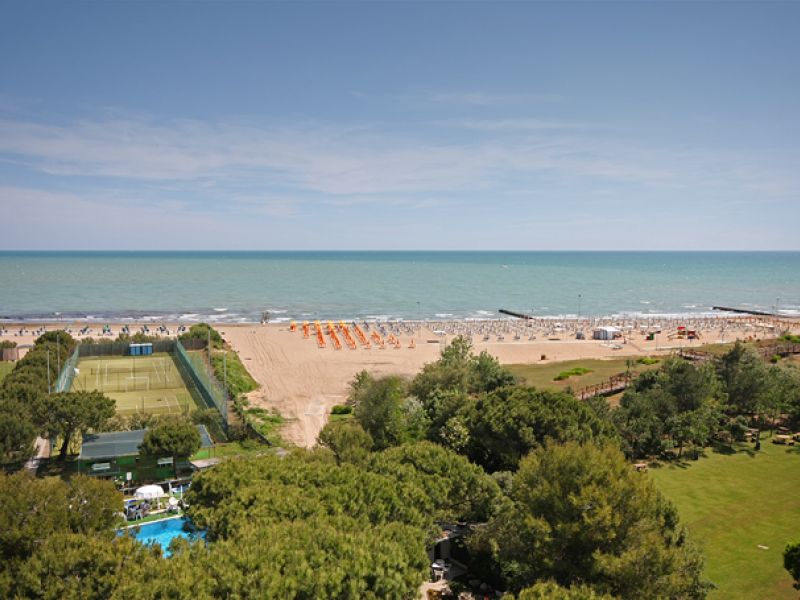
(149, 492)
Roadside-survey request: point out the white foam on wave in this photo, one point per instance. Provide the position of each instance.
(220, 309)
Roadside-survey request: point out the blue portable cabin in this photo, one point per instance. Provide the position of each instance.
(136, 349)
(147, 348)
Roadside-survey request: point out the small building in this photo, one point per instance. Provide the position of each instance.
(114, 454)
(607, 333)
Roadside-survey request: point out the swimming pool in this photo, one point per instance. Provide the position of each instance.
(164, 531)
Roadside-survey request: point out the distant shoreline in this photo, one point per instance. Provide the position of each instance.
(218, 318)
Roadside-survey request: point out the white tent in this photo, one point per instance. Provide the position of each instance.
(149, 492)
(605, 333)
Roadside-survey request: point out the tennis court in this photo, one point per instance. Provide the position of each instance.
(139, 384)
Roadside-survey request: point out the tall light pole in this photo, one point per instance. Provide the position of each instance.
(419, 316)
(579, 306)
(58, 359)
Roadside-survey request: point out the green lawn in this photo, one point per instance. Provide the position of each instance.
(732, 503)
(5, 369)
(542, 375)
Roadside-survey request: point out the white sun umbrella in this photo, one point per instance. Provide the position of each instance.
(149, 492)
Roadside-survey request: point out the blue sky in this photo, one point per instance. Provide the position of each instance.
(400, 125)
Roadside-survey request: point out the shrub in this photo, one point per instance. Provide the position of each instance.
(577, 372)
(647, 360)
(341, 409)
(202, 331)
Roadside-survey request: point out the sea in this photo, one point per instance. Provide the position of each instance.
(238, 287)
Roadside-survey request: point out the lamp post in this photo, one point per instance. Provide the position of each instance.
(580, 296)
(419, 316)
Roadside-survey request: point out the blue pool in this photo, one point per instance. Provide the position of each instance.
(163, 532)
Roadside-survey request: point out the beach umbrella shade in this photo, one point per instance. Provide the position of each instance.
(149, 492)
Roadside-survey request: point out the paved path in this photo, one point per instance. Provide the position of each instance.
(42, 451)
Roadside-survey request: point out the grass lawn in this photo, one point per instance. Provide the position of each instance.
(732, 503)
(143, 384)
(542, 375)
(5, 368)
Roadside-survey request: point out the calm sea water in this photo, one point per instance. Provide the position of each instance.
(238, 286)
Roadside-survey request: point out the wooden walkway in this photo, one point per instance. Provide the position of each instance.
(618, 383)
(612, 385)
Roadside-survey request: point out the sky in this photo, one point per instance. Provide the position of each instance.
(400, 125)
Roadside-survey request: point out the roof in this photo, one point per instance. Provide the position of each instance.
(124, 443)
(205, 463)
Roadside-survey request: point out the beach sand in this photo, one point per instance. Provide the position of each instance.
(302, 381)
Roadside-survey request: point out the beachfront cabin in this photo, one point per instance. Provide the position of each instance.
(115, 455)
(607, 333)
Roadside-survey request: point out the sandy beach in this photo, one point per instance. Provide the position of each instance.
(303, 381)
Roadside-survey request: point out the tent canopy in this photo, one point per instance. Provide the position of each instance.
(150, 492)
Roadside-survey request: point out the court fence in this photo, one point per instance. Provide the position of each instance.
(201, 373)
(193, 366)
(122, 348)
(64, 381)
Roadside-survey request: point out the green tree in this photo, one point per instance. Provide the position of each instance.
(458, 489)
(347, 440)
(68, 565)
(202, 332)
(333, 557)
(640, 427)
(688, 386)
(782, 395)
(506, 424)
(791, 562)
(57, 336)
(277, 522)
(744, 378)
(177, 438)
(17, 433)
(580, 514)
(67, 413)
(385, 410)
(552, 591)
(447, 386)
(674, 406)
(32, 508)
(787, 386)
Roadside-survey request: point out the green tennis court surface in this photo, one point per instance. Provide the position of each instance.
(139, 384)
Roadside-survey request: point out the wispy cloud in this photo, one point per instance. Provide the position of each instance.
(280, 168)
(460, 98)
(529, 124)
(477, 98)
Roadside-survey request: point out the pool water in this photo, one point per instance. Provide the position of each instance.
(163, 532)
